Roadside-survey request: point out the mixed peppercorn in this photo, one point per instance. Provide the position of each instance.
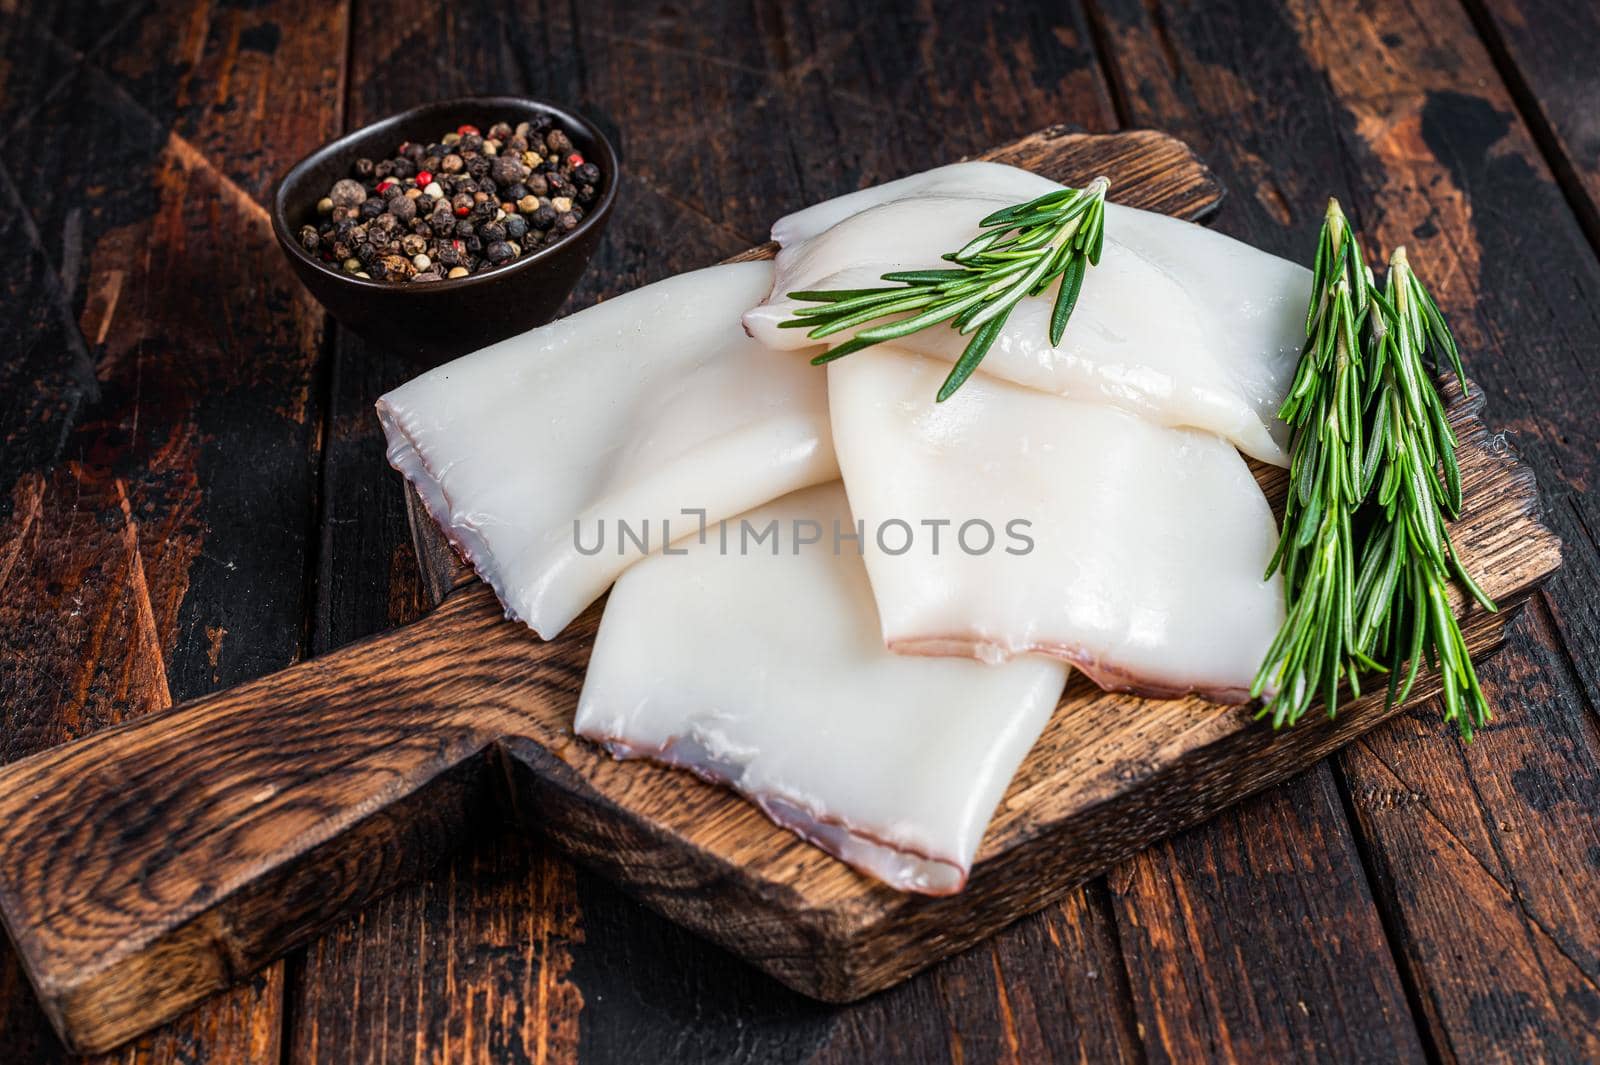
(471, 202)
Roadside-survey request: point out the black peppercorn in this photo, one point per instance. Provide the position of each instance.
(544, 217)
(586, 174)
(308, 238)
(516, 227)
(478, 166)
(464, 228)
(492, 232)
(499, 252)
(403, 207)
(508, 169)
(362, 168)
(347, 193)
(371, 208)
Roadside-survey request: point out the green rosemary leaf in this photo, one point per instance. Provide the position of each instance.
(833, 296)
(917, 277)
(1066, 297)
(830, 326)
(849, 347)
(976, 349)
(1369, 464)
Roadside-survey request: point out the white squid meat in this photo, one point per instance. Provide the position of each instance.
(1141, 559)
(765, 671)
(1181, 325)
(530, 453)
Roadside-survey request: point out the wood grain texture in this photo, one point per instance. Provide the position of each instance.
(1550, 75)
(181, 853)
(143, 449)
(1399, 111)
(1197, 912)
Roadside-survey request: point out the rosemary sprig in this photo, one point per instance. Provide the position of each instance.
(1316, 649)
(1021, 252)
(1371, 449)
(1408, 560)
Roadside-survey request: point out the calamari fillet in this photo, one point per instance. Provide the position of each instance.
(1184, 326)
(1148, 544)
(528, 452)
(765, 672)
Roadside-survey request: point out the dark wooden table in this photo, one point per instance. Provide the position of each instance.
(193, 492)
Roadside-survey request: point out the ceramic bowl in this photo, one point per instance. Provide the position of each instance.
(437, 320)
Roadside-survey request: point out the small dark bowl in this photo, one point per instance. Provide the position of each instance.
(437, 320)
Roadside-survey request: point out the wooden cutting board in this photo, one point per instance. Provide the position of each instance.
(149, 865)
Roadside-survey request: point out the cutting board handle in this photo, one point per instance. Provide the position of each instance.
(147, 866)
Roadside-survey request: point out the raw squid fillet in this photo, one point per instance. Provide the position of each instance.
(1181, 325)
(766, 672)
(1148, 543)
(632, 410)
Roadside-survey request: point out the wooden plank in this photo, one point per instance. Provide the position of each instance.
(1508, 861)
(1422, 144)
(140, 446)
(722, 123)
(1544, 53)
(48, 373)
(1218, 973)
